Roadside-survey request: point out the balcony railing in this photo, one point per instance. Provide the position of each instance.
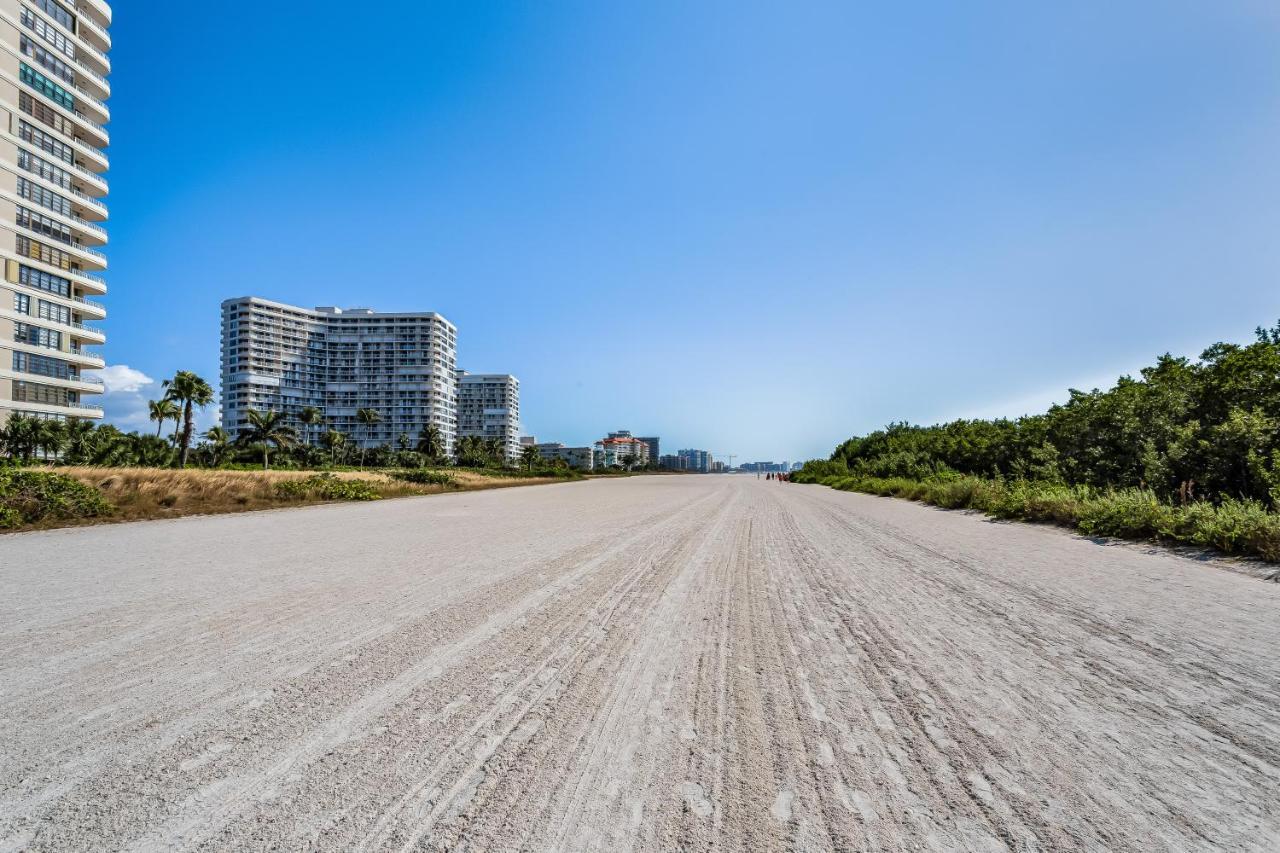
(88, 302)
(94, 176)
(88, 199)
(88, 226)
(91, 98)
(95, 26)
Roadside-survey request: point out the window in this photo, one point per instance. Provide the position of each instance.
(41, 252)
(22, 303)
(45, 142)
(43, 197)
(43, 168)
(48, 61)
(58, 12)
(53, 311)
(42, 365)
(45, 86)
(41, 27)
(45, 114)
(43, 280)
(45, 225)
(31, 392)
(25, 333)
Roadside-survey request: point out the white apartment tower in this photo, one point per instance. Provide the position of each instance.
(489, 408)
(282, 358)
(53, 89)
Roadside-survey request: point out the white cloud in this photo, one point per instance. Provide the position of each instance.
(124, 401)
(123, 378)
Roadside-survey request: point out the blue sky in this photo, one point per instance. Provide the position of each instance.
(754, 228)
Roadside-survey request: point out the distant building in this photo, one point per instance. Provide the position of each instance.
(653, 442)
(718, 467)
(582, 458)
(282, 358)
(695, 460)
(489, 408)
(621, 449)
(528, 441)
(767, 467)
(672, 462)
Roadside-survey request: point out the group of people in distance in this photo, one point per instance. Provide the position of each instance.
(781, 478)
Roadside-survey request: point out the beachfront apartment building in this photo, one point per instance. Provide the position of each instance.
(53, 141)
(582, 458)
(489, 408)
(283, 358)
(621, 449)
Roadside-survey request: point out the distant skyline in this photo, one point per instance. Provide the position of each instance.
(745, 227)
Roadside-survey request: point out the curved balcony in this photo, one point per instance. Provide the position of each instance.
(94, 30)
(96, 7)
(83, 355)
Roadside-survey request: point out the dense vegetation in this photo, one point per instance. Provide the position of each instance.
(272, 438)
(1189, 451)
(30, 497)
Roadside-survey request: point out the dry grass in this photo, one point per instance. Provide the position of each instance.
(144, 493)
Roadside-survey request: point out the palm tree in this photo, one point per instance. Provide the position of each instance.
(161, 411)
(496, 450)
(368, 417)
(530, 456)
(20, 437)
(431, 443)
(219, 440)
(471, 451)
(110, 447)
(333, 441)
(49, 437)
(187, 390)
(80, 441)
(266, 429)
(310, 416)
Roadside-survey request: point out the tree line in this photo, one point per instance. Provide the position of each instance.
(269, 436)
(1187, 430)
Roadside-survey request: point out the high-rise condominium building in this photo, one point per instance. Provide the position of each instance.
(53, 88)
(282, 358)
(695, 460)
(655, 446)
(489, 408)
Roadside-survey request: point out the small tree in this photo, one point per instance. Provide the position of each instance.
(187, 390)
(431, 443)
(530, 457)
(266, 429)
(218, 442)
(162, 410)
(310, 417)
(367, 418)
(333, 441)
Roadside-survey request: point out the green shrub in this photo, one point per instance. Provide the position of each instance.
(1242, 527)
(1126, 514)
(28, 497)
(425, 477)
(327, 487)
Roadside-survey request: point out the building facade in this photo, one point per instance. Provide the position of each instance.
(53, 93)
(582, 458)
(489, 408)
(283, 358)
(695, 460)
(621, 449)
(654, 444)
